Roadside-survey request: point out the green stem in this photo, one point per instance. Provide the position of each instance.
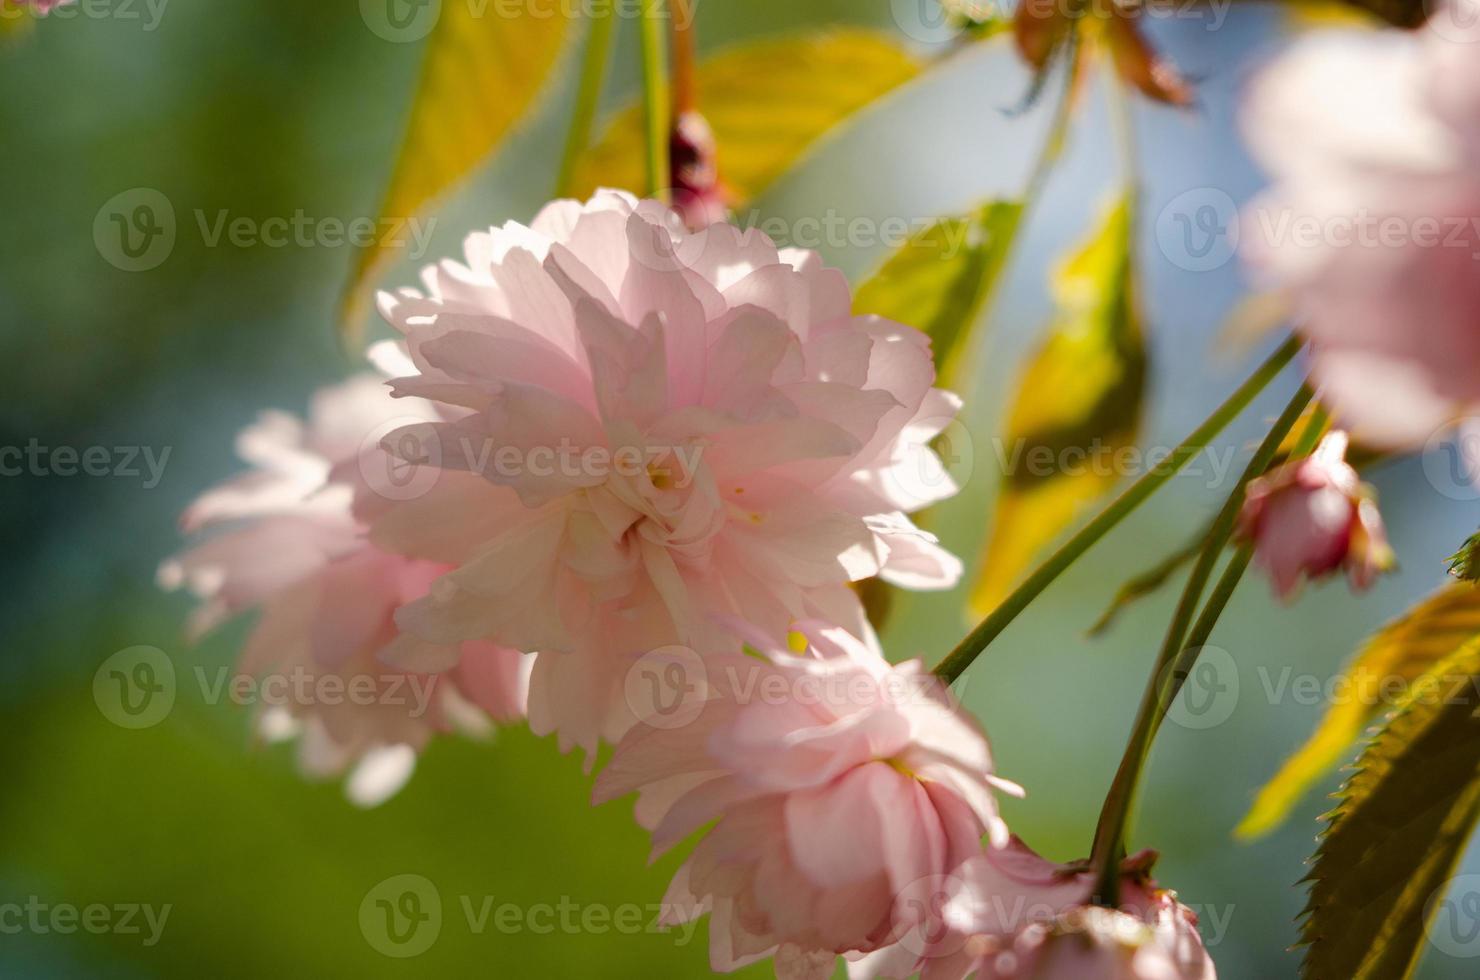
(1227, 583)
(656, 105)
(588, 97)
(992, 626)
(1164, 682)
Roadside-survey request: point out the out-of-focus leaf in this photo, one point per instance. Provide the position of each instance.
(1396, 654)
(767, 102)
(481, 75)
(1148, 582)
(941, 279)
(1078, 403)
(1356, 13)
(1398, 830)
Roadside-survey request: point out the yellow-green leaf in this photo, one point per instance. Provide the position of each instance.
(1396, 654)
(1078, 403)
(480, 76)
(940, 280)
(767, 101)
(1398, 831)
(1307, 14)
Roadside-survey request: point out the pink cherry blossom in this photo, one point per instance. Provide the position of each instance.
(844, 789)
(1008, 914)
(281, 538)
(43, 7)
(1372, 225)
(1313, 516)
(663, 429)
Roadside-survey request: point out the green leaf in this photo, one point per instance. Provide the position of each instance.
(1464, 564)
(767, 102)
(1398, 831)
(1078, 403)
(481, 75)
(941, 279)
(1398, 653)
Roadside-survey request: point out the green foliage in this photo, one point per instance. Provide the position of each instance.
(1078, 401)
(767, 102)
(1398, 831)
(266, 872)
(942, 278)
(480, 77)
(1397, 654)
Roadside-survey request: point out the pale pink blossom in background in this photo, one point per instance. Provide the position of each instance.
(1312, 517)
(1008, 914)
(44, 7)
(663, 430)
(281, 539)
(843, 788)
(1372, 139)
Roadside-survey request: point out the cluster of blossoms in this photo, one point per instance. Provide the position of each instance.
(623, 467)
(607, 442)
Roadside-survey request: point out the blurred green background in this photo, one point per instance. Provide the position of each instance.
(271, 107)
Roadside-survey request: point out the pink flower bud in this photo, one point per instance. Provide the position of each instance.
(697, 193)
(1313, 516)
